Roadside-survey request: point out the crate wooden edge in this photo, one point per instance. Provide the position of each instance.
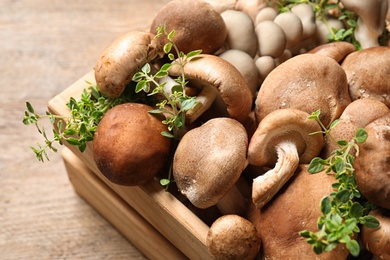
(164, 212)
(117, 212)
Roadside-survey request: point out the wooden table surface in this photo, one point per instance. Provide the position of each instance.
(46, 45)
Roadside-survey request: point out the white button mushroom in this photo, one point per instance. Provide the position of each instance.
(271, 39)
(265, 14)
(240, 32)
(292, 27)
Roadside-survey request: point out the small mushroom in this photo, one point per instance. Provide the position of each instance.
(357, 114)
(271, 39)
(197, 24)
(306, 13)
(335, 50)
(233, 237)
(294, 209)
(377, 240)
(250, 7)
(265, 14)
(265, 64)
(125, 56)
(367, 72)
(241, 33)
(245, 65)
(307, 82)
(128, 147)
(371, 20)
(372, 165)
(283, 140)
(208, 162)
(323, 29)
(292, 27)
(222, 87)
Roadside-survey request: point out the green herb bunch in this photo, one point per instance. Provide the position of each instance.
(175, 104)
(345, 208)
(322, 8)
(79, 128)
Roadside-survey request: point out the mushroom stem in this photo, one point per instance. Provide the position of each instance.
(204, 100)
(267, 185)
(232, 203)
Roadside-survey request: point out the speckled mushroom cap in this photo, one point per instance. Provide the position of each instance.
(357, 114)
(372, 166)
(295, 208)
(125, 56)
(128, 147)
(368, 72)
(307, 82)
(213, 71)
(233, 237)
(209, 160)
(197, 24)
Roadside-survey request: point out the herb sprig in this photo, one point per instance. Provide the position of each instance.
(77, 129)
(344, 209)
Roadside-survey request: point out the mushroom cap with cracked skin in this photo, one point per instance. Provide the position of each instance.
(367, 72)
(358, 114)
(372, 165)
(377, 240)
(212, 71)
(209, 160)
(128, 147)
(295, 208)
(233, 237)
(284, 125)
(307, 82)
(197, 25)
(124, 57)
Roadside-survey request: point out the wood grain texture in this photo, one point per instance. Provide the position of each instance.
(46, 46)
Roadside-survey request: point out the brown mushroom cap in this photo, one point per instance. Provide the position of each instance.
(307, 82)
(377, 240)
(197, 24)
(209, 160)
(358, 114)
(372, 165)
(128, 147)
(125, 56)
(214, 72)
(335, 50)
(295, 208)
(281, 140)
(368, 72)
(233, 237)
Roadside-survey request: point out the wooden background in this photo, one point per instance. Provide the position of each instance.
(46, 45)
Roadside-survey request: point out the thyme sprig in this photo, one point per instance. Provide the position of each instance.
(344, 209)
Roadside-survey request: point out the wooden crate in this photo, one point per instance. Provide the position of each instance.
(154, 220)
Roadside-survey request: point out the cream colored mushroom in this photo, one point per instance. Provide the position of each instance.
(271, 39)
(281, 141)
(245, 65)
(208, 162)
(241, 33)
(371, 21)
(222, 5)
(306, 13)
(265, 14)
(292, 27)
(265, 64)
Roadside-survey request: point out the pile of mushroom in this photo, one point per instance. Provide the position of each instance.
(259, 77)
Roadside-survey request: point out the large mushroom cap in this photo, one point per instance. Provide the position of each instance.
(335, 50)
(209, 160)
(125, 56)
(128, 146)
(295, 208)
(197, 24)
(209, 71)
(307, 82)
(233, 237)
(372, 166)
(368, 72)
